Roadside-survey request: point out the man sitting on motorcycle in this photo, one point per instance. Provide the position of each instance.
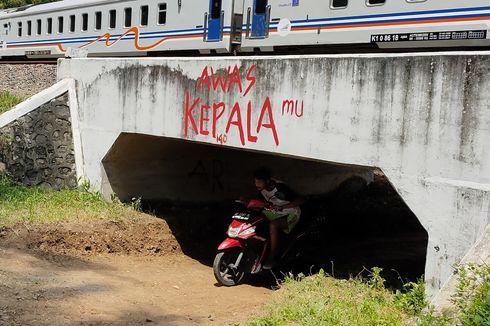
(284, 211)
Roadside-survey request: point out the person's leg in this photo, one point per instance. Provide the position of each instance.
(275, 227)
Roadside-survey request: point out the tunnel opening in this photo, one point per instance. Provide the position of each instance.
(193, 187)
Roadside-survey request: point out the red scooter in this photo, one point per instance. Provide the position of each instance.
(247, 245)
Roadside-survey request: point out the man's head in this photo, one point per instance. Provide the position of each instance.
(262, 178)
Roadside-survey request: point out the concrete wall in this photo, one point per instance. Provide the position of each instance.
(37, 148)
(157, 168)
(424, 119)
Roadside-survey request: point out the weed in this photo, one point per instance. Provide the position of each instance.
(376, 281)
(412, 298)
(473, 295)
(136, 204)
(8, 101)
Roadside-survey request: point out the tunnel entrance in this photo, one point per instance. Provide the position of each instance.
(193, 186)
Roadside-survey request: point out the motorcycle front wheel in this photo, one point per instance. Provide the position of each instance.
(225, 271)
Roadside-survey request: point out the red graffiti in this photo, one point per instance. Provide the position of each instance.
(292, 107)
(230, 80)
(248, 119)
(235, 119)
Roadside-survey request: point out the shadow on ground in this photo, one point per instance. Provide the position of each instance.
(365, 227)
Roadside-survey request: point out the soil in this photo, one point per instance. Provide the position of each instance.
(158, 272)
(111, 273)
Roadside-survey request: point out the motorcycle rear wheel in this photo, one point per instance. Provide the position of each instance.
(224, 271)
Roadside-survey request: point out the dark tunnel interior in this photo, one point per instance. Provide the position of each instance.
(193, 186)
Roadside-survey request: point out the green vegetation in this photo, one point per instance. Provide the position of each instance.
(34, 204)
(324, 300)
(8, 101)
(4, 4)
(473, 296)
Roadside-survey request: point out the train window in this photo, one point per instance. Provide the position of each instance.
(72, 23)
(38, 27)
(29, 28)
(128, 14)
(375, 2)
(162, 13)
(49, 26)
(338, 4)
(19, 29)
(216, 8)
(98, 20)
(84, 22)
(112, 19)
(60, 25)
(144, 16)
(260, 6)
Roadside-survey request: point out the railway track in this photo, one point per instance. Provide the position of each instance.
(28, 62)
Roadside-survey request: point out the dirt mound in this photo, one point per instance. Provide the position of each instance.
(142, 238)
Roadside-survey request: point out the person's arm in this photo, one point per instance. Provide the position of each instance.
(294, 199)
(295, 203)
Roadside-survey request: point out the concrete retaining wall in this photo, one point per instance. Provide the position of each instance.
(422, 118)
(36, 143)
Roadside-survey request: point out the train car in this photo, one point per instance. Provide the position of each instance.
(118, 28)
(269, 24)
(142, 27)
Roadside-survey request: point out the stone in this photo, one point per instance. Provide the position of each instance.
(35, 152)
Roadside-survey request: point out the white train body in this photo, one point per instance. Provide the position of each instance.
(137, 27)
(390, 23)
(170, 25)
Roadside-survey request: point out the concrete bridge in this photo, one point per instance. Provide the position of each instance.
(423, 119)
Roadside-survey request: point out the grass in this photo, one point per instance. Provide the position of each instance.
(37, 205)
(8, 101)
(324, 300)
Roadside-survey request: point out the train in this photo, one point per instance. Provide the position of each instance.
(143, 27)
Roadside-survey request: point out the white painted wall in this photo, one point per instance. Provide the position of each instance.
(424, 119)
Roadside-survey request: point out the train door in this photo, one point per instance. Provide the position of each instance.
(215, 21)
(260, 19)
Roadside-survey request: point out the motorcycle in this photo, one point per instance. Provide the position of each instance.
(247, 245)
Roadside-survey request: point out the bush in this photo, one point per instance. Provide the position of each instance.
(473, 296)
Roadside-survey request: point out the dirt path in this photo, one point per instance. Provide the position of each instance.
(41, 287)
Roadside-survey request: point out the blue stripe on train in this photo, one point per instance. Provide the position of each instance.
(157, 34)
(414, 13)
(392, 21)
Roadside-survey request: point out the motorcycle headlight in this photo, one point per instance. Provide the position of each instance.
(233, 232)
